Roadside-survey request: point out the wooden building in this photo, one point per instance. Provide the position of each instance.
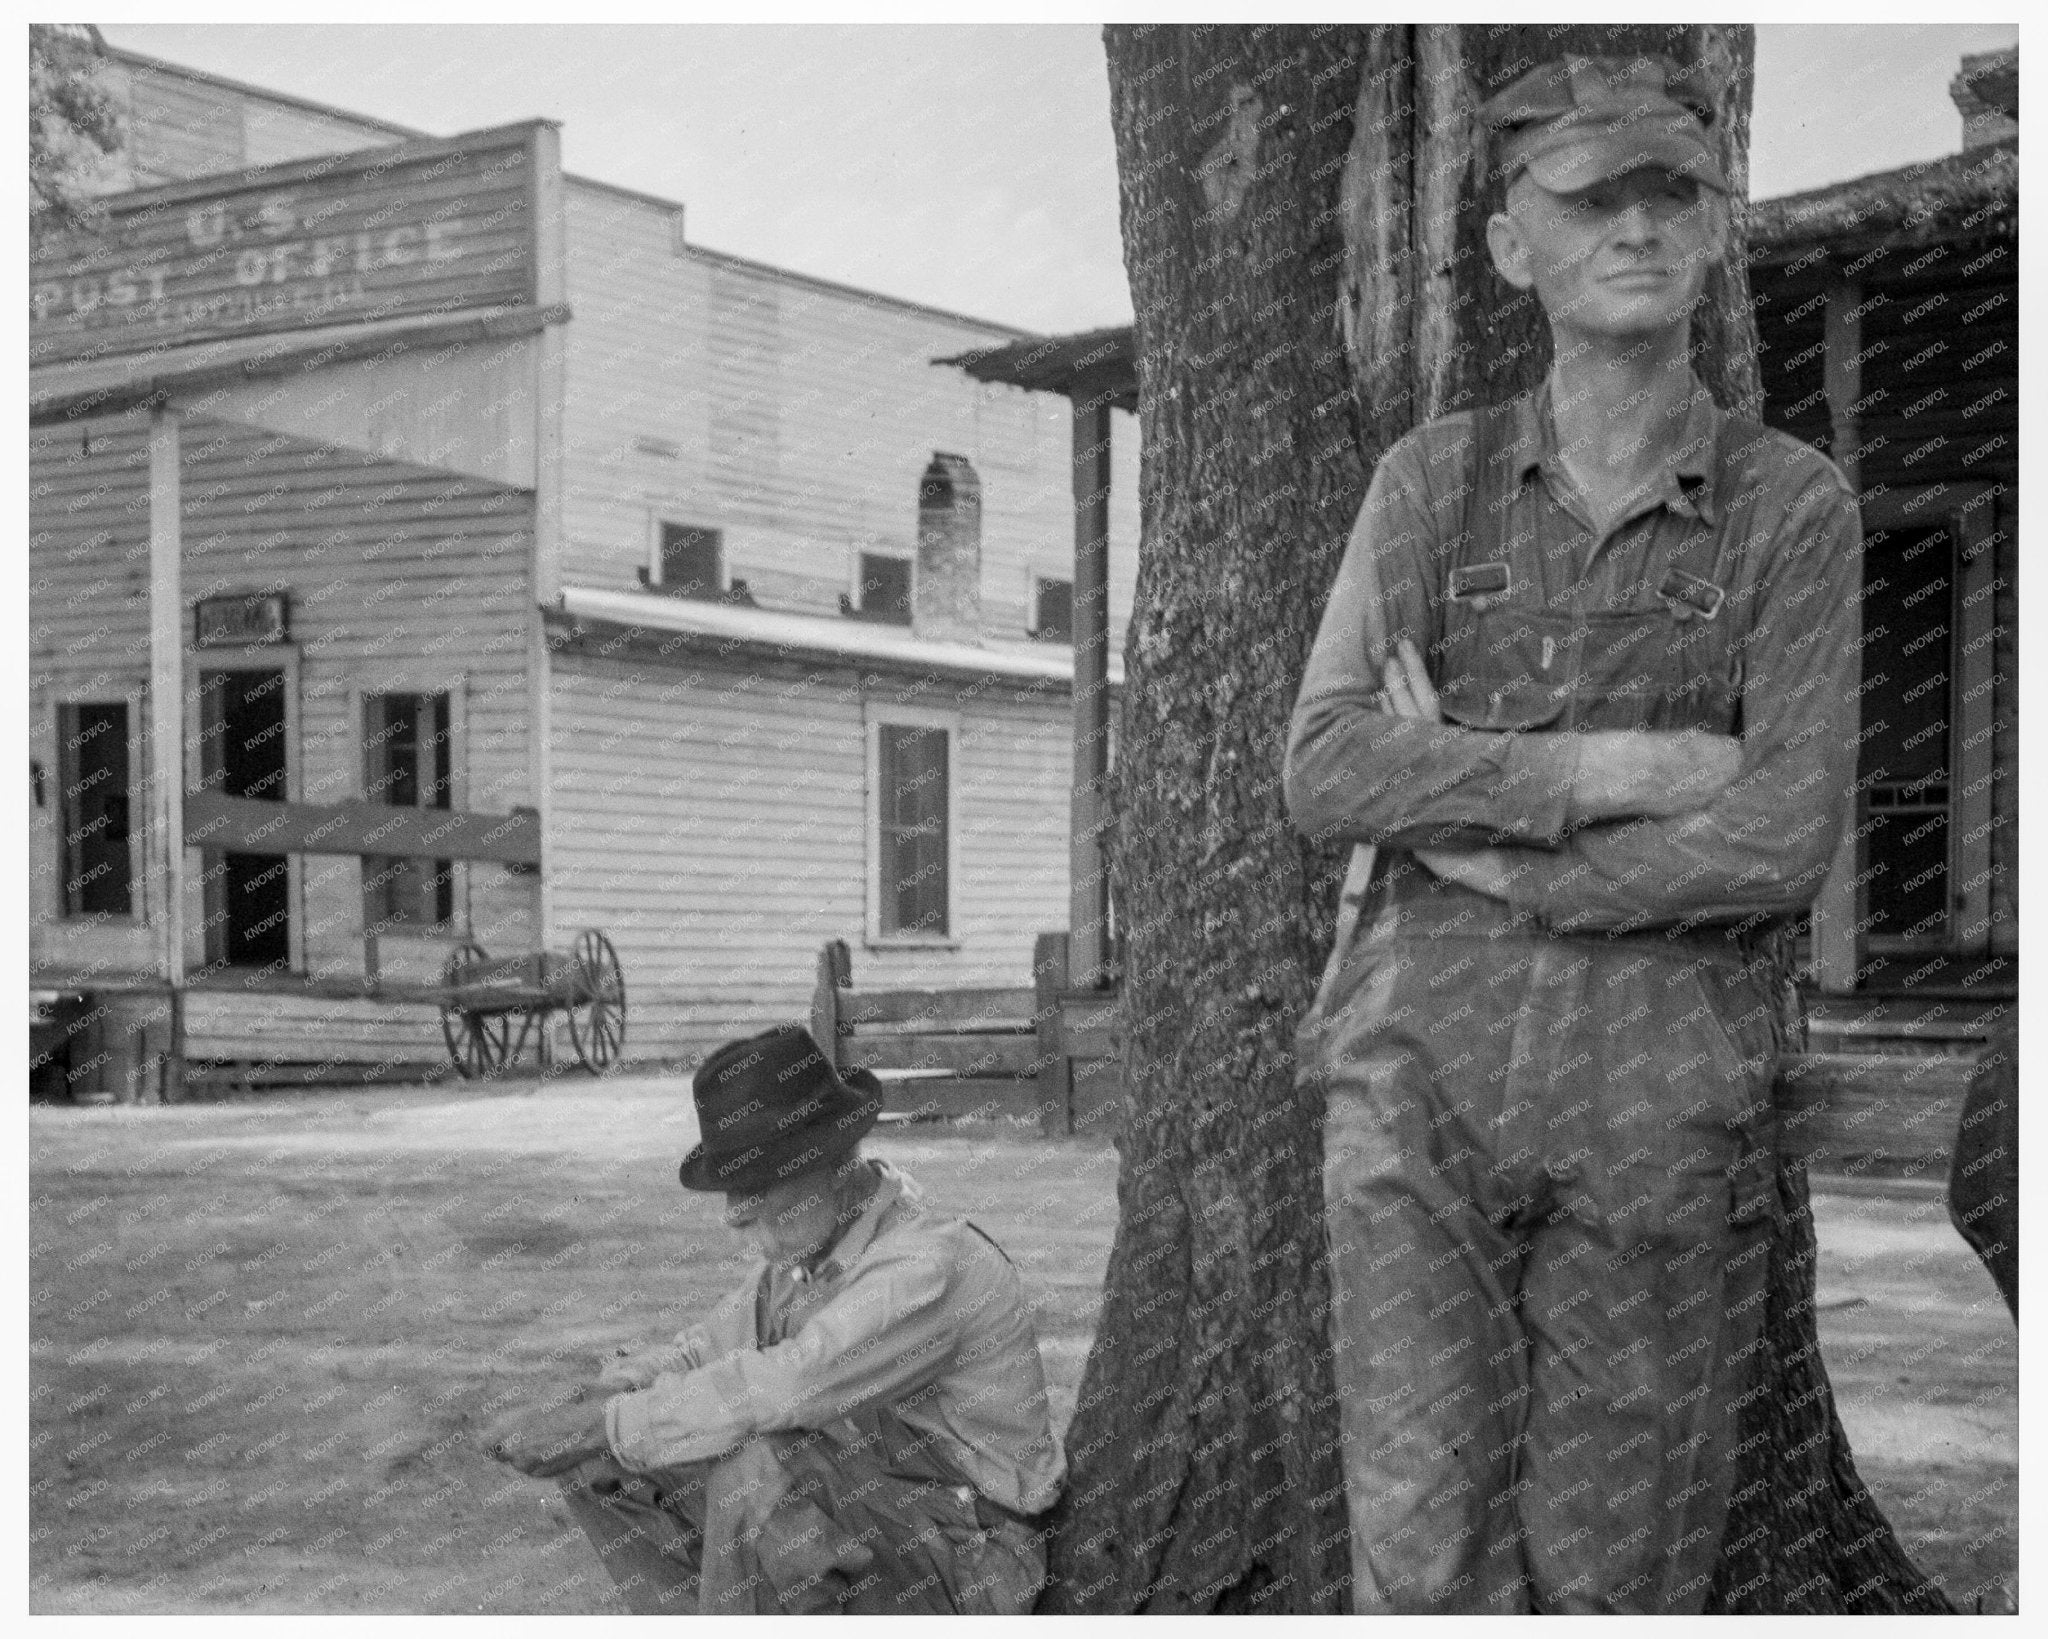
(1887, 313)
(440, 548)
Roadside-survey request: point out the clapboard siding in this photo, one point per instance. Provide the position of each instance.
(713, 820)
(799, 419)
(400, 578)
(183, 124)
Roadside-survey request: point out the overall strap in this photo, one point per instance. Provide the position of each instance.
(1733, 458)
(1482, 535)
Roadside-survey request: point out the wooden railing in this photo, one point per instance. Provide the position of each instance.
(974, 1051)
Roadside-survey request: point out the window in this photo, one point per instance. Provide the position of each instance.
(885, 588)
(911, 776)
(407, 763)
(99, 871)
(1052, 610)
(689, 561)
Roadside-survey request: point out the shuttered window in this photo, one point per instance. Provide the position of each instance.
(911, 829)
(95, 802)
(1053, 614)
(408, 763)
(885, 588)
(689, 561)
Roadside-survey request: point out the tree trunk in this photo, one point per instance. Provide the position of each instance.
(1303, 219)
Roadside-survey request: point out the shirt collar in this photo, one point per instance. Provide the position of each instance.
(1687, 486)
(890, 1188)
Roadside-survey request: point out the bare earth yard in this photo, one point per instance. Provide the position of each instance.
(264, 1335)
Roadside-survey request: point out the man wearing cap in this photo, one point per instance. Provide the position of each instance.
(860, 1427)
(1583, 696)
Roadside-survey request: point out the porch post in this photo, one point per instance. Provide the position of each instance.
(1834, 912)
(1088, 893)
(167, 727)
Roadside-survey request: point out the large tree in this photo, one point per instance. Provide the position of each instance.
(72, 126)
(1303, 220)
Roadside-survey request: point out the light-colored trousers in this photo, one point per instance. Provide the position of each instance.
(801, 1523)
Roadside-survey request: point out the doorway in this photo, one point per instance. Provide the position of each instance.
(244, 752)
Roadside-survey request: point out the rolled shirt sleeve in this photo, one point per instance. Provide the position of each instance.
(1764, 846)
(885, 1334)
(1360, 774)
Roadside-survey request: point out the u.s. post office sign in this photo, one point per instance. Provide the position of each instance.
(416, 227)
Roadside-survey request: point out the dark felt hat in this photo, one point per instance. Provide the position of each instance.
(1581, 120)
(771, 1105)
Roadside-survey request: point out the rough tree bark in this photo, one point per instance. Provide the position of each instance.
(1303, 217)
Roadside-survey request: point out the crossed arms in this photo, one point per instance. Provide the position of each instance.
(1612, 830)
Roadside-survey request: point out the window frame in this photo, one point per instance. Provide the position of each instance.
(131, 700)
(880, 715)
(456, 688)
(856, 581)
(657, 520)
(1035, 579)
(246, 657)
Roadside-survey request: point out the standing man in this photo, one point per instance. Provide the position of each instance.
(1585, 681)
(861, 1427)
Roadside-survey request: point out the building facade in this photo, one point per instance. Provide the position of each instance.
(437, 500)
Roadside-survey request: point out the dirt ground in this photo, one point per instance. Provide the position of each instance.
(264, 1335)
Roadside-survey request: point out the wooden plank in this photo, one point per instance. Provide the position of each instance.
(964, 1099)
(422, 227)
(957, 1055)
(1055, 1075)
(834, 969)
(956, 1010)
(251, 826)
(1834, 912)
(1098, 1098)
(1088, 883)
(166, 722)
(1845, 1108)
(1090, 1027)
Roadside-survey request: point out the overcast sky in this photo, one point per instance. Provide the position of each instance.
(968, 167)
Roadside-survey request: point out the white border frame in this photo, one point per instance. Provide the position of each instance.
(664, 513)
(853, 577)
(879, 713)
(251, 657)
(404, 680)
(143, 897)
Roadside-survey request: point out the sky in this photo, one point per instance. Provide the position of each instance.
(969, 167)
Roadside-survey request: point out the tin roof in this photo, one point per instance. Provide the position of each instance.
(1975, 193)
(786, 634)
(124, 381)
(1089, 364)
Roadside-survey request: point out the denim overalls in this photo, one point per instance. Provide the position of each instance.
(1548, 1158)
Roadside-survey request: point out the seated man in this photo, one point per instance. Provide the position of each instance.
(860, 1427)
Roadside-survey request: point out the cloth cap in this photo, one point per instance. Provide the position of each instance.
(1581, 120)
(770, 1106)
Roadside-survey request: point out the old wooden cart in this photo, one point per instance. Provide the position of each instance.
(482, 996)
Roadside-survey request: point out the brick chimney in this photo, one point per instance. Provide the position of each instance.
(1986, 91)
(946, 598)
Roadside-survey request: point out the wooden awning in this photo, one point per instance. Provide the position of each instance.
(1090, 365)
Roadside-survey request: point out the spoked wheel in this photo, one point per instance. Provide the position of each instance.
(477, 1042)
(597, 1017)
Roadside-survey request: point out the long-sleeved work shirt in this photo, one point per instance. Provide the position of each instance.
(916, 1312)
(1736, 610)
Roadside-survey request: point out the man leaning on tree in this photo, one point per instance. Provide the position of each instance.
(861, 1427)
(1585, 681)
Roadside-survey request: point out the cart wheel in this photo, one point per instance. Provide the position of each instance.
(477, 1042)
(597, 1017)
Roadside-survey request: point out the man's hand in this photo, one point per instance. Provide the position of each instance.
(550, 1438)
(1650, 773)
(1409, 693)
